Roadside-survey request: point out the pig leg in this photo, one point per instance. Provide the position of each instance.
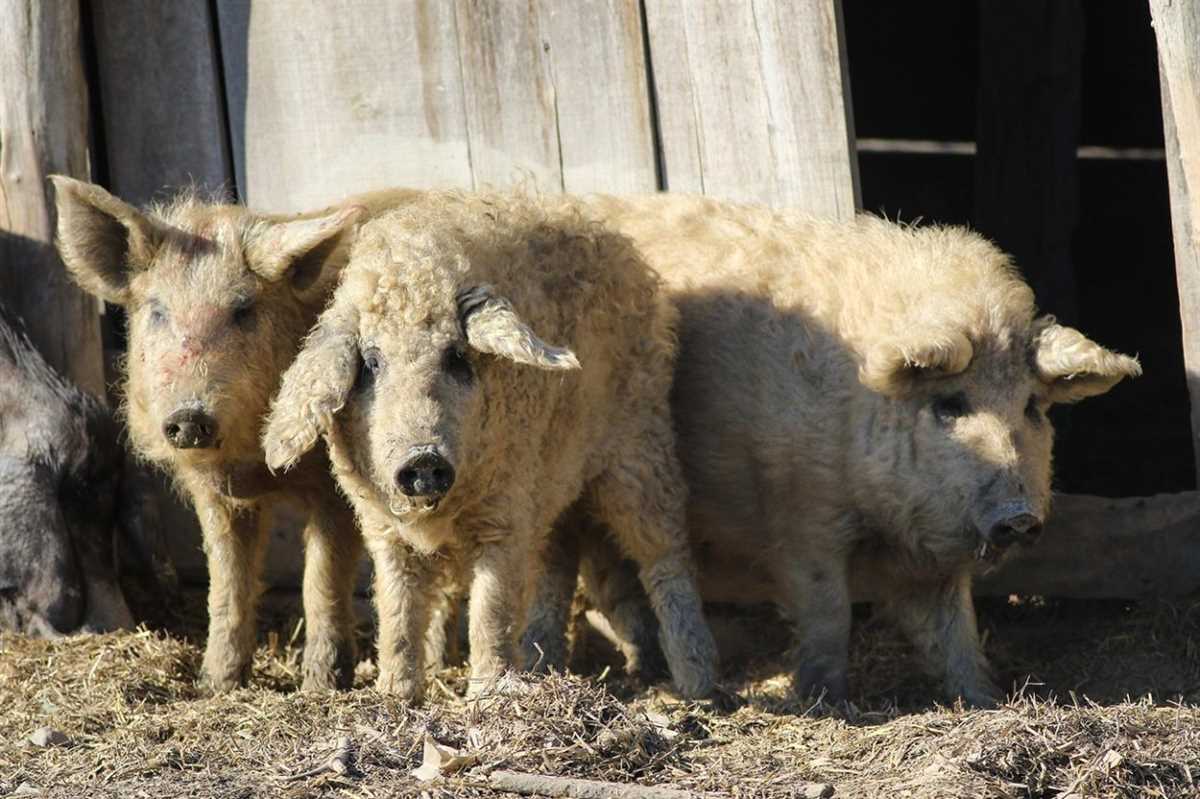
(641, 499)
(333, 547)
(234, 541)
(611, 586)
(404, 584)
(500, 593)
(940, 620)
(812, 572)
(544, 642)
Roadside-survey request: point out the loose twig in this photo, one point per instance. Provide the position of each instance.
(338, 763)
(570, 788)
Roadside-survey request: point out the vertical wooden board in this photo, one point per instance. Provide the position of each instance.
(44, 130)
(161, 98)
(327, 99)
(601, 86)
(509, 94)
(753, 101)
(1177, 29)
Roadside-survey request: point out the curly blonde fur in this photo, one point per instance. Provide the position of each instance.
(861, 411)
(531, 349)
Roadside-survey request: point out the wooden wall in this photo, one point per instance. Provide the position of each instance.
(287, 106)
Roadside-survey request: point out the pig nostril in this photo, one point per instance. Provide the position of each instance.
(426, 475)
(190, 429)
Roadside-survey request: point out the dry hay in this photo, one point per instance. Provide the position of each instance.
(138, 727)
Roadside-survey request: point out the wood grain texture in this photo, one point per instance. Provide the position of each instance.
(333, 98)
(44, 130)
(602, 108)
(753, 102)
(161, 99)
(1177, 29)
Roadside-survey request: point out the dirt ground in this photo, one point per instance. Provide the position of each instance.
(1104, 705)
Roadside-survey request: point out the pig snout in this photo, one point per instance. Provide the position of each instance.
(190, 428)
(425, 473)
(1007, 524)
(1024, 528)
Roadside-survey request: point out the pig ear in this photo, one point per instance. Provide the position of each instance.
(302, 248)
(314, 388)
(100, 238)
(1073, 366)
(895, 368)
(492, 326)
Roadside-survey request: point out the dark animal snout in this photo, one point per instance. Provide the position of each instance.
(1023, 528)
(190, 429)
(425, 474)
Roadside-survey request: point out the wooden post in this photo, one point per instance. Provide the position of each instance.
(44, 130)
(161, 99)
(1177, 29)
(754, 102)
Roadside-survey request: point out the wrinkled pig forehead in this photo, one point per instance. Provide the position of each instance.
(200, 256)
(1002, 368)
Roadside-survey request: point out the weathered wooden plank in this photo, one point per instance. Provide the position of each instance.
(602, 91)
(753, 101)
(557, 93)
(1026, 167)
(1177, 29)
(509, 94)
(328, 99)
(161, 98)
(44, 130)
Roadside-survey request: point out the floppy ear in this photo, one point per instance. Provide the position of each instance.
(1073, 366)
(894, 368)
(314, 388)
(302, 248)
(491, 325)
(100, 238)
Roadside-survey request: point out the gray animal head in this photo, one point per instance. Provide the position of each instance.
(217, 298)
(60, 468)
(977, 397)
(404, 357)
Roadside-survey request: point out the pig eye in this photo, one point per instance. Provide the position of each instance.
(372, 364)
(158, 313)
(950, 406)
(243, 312)
(1032, 412)
(455, 364)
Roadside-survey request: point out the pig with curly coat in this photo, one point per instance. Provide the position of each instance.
(861, 409)
(218, 299)
(461, 435)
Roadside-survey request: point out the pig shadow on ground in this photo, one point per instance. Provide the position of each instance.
(884, 567)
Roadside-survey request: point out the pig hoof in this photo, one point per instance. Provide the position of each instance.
(821, 684)
(213, 684)
(403, 687)
(984, 697)
(328, 668)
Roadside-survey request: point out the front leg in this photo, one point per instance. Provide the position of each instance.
(500, 591)
(234, 542)
(544, 641)
(333, 547)
(404, 586)
(939, 618)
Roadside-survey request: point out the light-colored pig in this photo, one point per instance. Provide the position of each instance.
(218, 299)
(861, 410)
(460, 435)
